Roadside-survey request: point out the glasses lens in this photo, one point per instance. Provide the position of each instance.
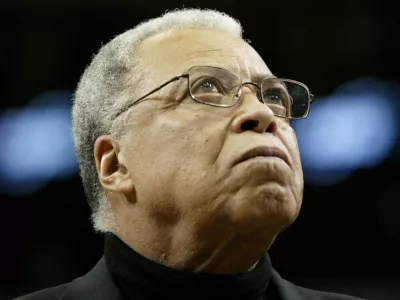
(214, 85)
(286, 98)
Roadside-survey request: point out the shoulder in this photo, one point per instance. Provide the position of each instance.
(53, 293)
(288, 291)
(321, 295)
(95, 285)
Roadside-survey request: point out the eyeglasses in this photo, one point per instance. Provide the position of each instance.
(219, 87)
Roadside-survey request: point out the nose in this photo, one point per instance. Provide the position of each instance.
(254, 115)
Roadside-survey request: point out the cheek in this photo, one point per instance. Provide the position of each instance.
(179, 141)
(289, 139)
(197, 132)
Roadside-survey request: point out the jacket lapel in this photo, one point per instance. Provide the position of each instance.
(96, 285)
(287, 290)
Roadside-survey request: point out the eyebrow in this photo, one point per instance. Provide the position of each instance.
(257, 78)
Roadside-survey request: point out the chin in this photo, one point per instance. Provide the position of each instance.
(279, 203)
(269, 205)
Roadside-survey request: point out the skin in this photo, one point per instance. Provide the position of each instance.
(177, 197)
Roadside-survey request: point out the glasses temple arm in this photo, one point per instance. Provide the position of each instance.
(151, 92)
(160, 87)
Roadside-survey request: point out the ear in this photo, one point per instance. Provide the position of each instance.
(111, 168)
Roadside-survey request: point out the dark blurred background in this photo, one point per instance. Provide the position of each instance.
(347, 237)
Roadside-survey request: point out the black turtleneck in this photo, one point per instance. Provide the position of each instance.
(139, 278)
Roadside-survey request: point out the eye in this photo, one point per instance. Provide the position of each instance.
(278, 100)
(210, 90)
(208, 85)
(274, 97)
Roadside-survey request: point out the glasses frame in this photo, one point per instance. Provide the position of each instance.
(311, 97)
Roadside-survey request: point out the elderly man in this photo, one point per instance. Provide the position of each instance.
(189, 163)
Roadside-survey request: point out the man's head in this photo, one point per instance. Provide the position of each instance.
(165, 170)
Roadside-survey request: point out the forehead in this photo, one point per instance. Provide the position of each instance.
(174, 52)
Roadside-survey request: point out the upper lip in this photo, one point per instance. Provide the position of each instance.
(263, 151)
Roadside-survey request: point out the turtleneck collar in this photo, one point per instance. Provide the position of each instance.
(139, 278)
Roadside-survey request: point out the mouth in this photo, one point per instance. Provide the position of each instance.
(263, 151)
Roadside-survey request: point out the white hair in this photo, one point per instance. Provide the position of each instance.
(103, 88)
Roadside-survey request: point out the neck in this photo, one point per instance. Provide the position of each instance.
(139, 278)
(205, 250)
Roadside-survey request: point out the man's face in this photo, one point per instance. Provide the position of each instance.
(180, 154)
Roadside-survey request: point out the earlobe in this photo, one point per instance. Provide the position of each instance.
(113, 174)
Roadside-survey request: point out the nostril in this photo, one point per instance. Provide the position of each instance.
(249, 125)
(273, 127)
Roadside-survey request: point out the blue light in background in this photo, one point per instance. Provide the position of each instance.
(37, 145)
(356, 127)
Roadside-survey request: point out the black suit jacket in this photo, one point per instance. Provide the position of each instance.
(98, 285)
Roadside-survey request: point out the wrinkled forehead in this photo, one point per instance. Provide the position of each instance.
(174, 52)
